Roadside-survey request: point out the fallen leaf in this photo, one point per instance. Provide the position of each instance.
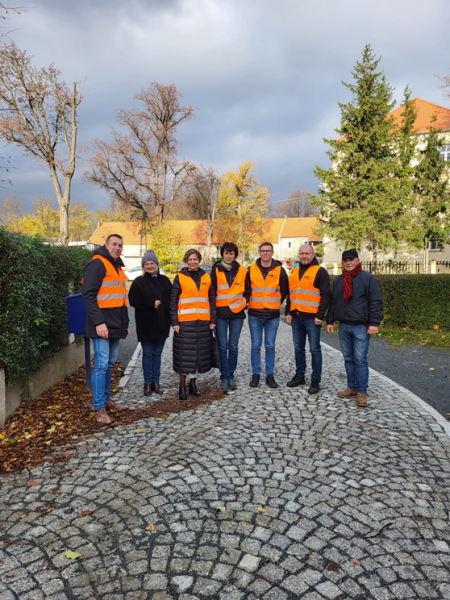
(220, 509)
(33, 482)
(148, 448)
(261, 510)
(334, 566)
(264, 418)
(85, 513)
(22, 516)
(138, 430)
(355, 561)
(150, 527)
(52, 429)
(71, 554)
(431, 369)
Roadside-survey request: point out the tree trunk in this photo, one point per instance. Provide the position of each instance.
(208, 241)
(375, 258)
(64, 223)
(425, 257)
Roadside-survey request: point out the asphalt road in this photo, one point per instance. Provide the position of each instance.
(410, 366)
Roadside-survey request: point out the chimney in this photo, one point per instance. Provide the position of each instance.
(99, 223)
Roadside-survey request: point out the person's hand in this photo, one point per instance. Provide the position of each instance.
(288, 319)
(212, 325)
(318, 321)
(157, 303)
(176, 328)
(102, 331)
(128, 331)
(373, 330)
(330, 329)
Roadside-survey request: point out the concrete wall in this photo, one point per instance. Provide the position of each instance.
(53, 371)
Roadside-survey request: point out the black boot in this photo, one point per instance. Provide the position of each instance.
(270, 381)
(255, 381)
(296, 380)
(314, 387)
(182, 395)
(147, 389)
(156, 388)
(193, 388)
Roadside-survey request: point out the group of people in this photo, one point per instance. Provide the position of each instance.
(197, 303)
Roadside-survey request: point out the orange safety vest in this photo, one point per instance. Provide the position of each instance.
(193, 304)
(265, 292)
(231, 296)
(113, 291)
(302, 293)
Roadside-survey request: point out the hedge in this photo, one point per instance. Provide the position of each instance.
(34, 278)
(416, 301)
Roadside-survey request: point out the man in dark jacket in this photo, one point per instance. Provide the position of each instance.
(105, 298)
(306, 305)
(356, 303)
(269, 286)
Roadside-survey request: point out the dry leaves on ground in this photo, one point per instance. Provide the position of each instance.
(63, 416)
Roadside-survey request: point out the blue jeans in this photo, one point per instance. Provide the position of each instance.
(354, 341)
(231, 329)
(301, 328)
(270, 328)
(105, 355)
(151, 359)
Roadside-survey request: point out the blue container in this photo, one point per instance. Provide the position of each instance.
(76, 314)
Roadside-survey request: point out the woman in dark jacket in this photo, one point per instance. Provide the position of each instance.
(150, 296)
(193, 315)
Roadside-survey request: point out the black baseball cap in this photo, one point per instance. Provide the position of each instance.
(350, 254)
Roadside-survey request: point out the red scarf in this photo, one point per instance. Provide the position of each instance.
(348, 276)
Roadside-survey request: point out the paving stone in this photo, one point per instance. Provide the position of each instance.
(322, 496)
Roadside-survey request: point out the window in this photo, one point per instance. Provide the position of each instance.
(444, 151)
(289, 244)
(435, 246)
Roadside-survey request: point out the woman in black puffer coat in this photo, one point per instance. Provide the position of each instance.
(192, 315)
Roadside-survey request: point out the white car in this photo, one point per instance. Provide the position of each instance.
(131, 274)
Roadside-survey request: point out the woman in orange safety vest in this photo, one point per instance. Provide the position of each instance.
(192, 315)
(228, 280)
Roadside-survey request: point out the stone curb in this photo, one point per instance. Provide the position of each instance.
(433, 412)
(129, 369)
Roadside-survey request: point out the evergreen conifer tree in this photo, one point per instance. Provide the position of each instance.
(360, 197)
(431, 209)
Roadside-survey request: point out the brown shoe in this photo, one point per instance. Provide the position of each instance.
(361, 399)
(101, 417)
(348, 393)
(147, 389)
(111, 404)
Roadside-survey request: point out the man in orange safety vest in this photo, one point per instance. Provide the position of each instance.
(306, 305)
(105, 298)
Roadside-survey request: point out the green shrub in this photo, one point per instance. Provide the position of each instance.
(34, 278)
(415, 301)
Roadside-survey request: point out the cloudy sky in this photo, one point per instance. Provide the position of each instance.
(263, 75)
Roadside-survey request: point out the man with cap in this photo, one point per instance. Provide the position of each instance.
(357, 304)
(105, 297)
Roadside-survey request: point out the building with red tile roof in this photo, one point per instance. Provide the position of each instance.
(286, 235)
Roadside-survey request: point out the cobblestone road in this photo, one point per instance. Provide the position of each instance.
(267, 494)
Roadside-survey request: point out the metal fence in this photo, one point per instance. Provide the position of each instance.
(393, 267)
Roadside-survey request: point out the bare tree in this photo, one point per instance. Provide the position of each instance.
(204, 185)
(140, 168)
(296, 204)
(11, 213)
(38, 113)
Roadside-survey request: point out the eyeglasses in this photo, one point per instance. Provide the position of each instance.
(266, 251)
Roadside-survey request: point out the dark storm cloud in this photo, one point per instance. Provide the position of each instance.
(264, 76)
